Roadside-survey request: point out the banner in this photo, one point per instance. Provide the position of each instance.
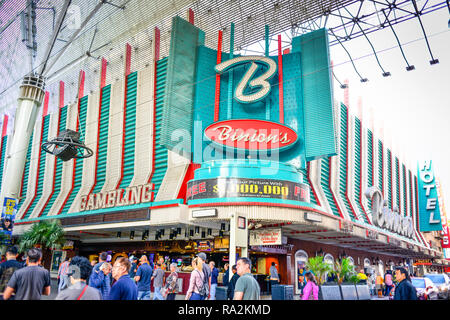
(244, 188)
(266, 237)
(7, 219)
(429, 211)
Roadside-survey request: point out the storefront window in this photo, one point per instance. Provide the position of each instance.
(301, 257)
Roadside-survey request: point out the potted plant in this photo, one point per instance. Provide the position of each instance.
(319, 268)
(342, 270)
(47, 235)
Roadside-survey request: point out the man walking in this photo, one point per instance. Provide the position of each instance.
(7, 268)
(232, 283)
(247, 288)
(143, 278)
(101, 276)
(274, 277)
(226, 275)
(214, 275)
(124, 288)
(158, 282)
(31, 282)
(63, 279)
(206, 272)
(134, 267)
(404, 290)
(79, 271)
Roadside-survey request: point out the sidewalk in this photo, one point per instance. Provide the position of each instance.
(54, 293)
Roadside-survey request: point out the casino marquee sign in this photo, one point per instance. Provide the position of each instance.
(247, 188)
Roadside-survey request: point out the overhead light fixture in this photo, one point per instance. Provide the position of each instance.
(197, 229)
(386, 74)
(191, 233)
(220, 233)
(209, 232)
(409, 68)
(171, 236)
(145, 235)
(222, 226)
(161, 232)
(364, 80)
(119, 234)
(258, 226)
(178, 230)
(251, 225)
(203, 234)
(132, 235)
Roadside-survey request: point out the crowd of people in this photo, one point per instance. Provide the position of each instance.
(126, 279)
(131, 278)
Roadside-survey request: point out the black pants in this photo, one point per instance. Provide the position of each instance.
(171, 296)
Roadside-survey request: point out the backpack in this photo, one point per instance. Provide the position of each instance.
(4, 279)
(203, 290)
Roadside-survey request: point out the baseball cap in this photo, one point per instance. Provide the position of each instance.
(202, 256)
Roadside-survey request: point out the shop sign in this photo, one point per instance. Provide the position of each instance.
(385, 218)
(445, 241)
(255, 188)
(9, 211)
(266, 237)
(221, 242)
(345, 226)
(410, 246)
(68, 245)
(423, 262)
(204, 245)
(251, 134)
(118, 198)
(266, 249)
(371, 234)
(204, 213)
(429, 213)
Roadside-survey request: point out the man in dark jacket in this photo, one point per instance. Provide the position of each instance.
(404, 290)
(232, 283)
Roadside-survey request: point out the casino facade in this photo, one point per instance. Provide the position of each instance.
(202, 146)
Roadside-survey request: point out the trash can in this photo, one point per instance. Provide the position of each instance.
(282, 292)
(221, 293)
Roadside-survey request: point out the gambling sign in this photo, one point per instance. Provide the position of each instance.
(254, 188)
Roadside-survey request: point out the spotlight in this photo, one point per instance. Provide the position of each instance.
(119, 234)
(67, 145)
(220, 233)
(145, 235)
(344, 86)
(258, 225)
(191, 233)
(409, 68)
(171, 236)
(178, 230)
(161, 232)
(222, 226)
(435, 61)
(209, 232)
(386, 74)
(364, 80)
(203, 234)
(131, 235)
(197, 229)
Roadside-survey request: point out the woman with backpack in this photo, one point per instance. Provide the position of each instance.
(311, 290)
(196, 289)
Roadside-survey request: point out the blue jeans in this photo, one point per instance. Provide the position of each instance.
(157, 294)
(143, 295)
(212, 291)
(196, 296)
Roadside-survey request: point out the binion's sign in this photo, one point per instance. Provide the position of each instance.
(386, 218)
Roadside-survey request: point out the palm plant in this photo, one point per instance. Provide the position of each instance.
(343, 270)
(47, 234)
(319, 267)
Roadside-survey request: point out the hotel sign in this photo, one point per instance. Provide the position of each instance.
(118, 198)
(429, 213)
